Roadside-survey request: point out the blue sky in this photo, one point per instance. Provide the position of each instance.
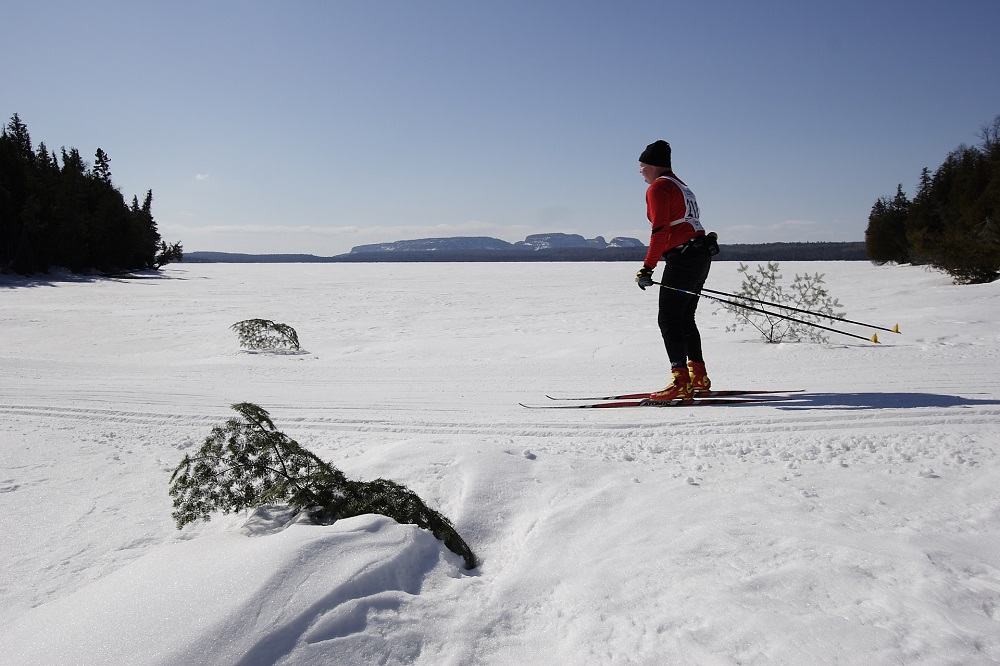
(309, 126)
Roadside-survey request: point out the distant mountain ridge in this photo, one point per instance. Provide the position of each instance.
(533, 242)
(539, 247)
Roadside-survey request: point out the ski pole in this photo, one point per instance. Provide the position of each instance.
(894, 329)
(874, 337)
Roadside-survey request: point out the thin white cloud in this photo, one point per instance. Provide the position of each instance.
(394, 232)
(201, 176)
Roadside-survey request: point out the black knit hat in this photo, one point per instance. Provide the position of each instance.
(656, 154)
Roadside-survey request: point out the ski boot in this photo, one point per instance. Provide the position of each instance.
(699, 377)
(679, 389)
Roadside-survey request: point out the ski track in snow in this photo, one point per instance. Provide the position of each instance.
(859, 521)
(881, 435)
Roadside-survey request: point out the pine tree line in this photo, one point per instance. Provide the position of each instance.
(70, 214)
(953, 222)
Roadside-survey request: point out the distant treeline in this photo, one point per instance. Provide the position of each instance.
(852, 251)
(70, 215)
(953, 222)
(750, 252)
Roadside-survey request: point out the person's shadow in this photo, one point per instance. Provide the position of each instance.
(878, 401)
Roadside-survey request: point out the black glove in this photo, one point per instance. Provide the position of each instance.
(712, 243)
(644, 278)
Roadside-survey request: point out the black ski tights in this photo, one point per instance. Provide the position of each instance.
(688, 271)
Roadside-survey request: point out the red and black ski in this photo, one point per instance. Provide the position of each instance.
(698, 394)
(646, 402)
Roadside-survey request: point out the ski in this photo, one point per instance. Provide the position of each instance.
(698, 394)
(646, 402)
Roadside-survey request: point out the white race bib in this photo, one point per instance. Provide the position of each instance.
(691, 213)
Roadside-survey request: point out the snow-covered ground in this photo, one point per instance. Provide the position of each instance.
(858, 524)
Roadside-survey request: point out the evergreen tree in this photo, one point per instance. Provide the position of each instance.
(952, 223)
(70, 214)
(102, 166)
(13, 191)
(17, 132)
(149, 247)
(885, 238)
(952, 230)
(168, 253)
(924, 187)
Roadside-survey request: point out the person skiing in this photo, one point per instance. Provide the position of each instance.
(679, 239)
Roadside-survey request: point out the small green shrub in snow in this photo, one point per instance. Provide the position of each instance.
(247, 462)
(807, 292)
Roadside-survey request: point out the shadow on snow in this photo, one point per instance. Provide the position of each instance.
(882, 401)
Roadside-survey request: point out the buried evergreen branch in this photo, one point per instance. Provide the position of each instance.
(247, 462)
(266, 334)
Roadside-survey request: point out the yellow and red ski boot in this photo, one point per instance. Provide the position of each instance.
(679, 389)
(699, 377)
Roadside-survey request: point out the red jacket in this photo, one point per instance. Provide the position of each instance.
(673, 212)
